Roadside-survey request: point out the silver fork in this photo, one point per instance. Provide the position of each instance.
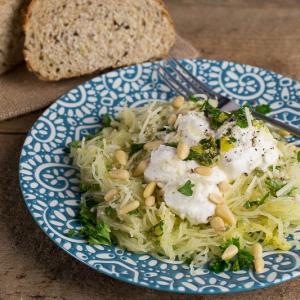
(184, 83)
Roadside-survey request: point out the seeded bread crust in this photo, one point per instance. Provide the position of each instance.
(110, 34)
(11, 35)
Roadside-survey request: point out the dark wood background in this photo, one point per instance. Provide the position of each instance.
(257, 32)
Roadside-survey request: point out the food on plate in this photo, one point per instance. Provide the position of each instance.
(11, 35)
(64, 39)
(187, 181)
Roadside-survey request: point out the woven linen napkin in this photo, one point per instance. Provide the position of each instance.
(22, 92)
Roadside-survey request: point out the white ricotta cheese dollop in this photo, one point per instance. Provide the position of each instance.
(165, 166)
(254, 147)
(196, 208)
(192, 127)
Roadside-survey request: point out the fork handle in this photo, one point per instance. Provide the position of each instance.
(291, 129)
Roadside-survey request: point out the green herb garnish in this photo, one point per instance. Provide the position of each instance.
(136, 147)
(94, 230)
(298, 156)
(240, 117)
(250, 204)
(242, 261)
(215, 116)
(186, 189)
(106, 120)
(193, 98)
(205, 152)
(232, 241)
(219, 265)
(274, 185)
(263, 108)
(84, 187)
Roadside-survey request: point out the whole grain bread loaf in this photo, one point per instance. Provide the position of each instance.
(11, 36)
(65, 39)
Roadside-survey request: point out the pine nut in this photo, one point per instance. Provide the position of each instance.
(133, 205)
(217, 224)
(152, 145)
(160, 185)
(110, 195)
(213, 102)
(259, 265)
(283, 132)
(257, 250)
(224, 186)
(172, 119)
(149, 201)
(215, 198)
(182, 151)
(230, 252)
(204, 171)
(177, 102)
(121, 157)
(223, 211)
(119, 174)
(141, 167)
(149, 189)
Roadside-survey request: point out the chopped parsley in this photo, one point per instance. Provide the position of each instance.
(73, 144)
(205, 152)
(242, 261)
(193, 98)
(110, 212)
(84, 187)
(274, 185)
(106, 120)
(298, 156)
(94, 230)
(263, 108)
(136, 147)
(250, 204)
(215, 116)
(219, 265)
(187, 188)
(240, 117)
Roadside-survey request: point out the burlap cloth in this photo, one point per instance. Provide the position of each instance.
(21, 92)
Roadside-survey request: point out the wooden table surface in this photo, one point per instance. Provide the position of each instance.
(257, 32)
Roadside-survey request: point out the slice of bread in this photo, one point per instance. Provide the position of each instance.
(65, 39)
(11, 36)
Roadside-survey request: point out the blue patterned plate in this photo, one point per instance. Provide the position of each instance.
(50, 183)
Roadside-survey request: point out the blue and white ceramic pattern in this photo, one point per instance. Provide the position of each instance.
(50, 183)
